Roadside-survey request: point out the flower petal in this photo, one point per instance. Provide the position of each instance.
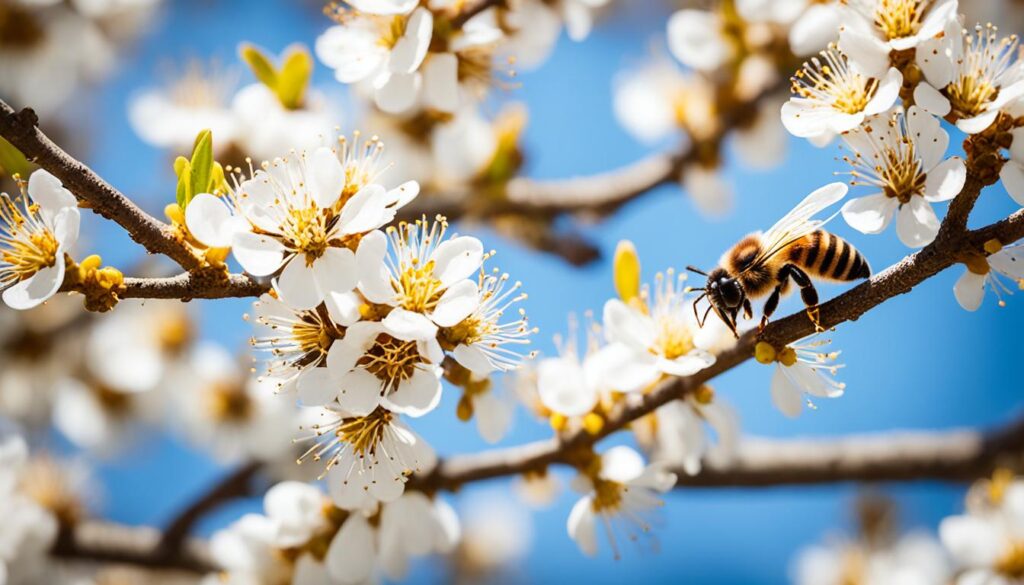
(47, 190)
(335, 271)
(946, 180)
(397, 92)
(409, 325)
(1012, 176)
(582, 526)
(441, 82)
(360, 392)
(457, 259)
(351, 555)
(326, 177)
(208, 219)
(916, 223)
(416, 396)
(474, 359)
(374, 278)
(411, 48)
(695, 38)
(297, 284)
(366, 210)
(457, 303)
(37, 288)
(352, 51)
(786, 396)
(259, 255)
(626, 325)
(316, 387)
(870, 214)
(969, 290)
(931, 100)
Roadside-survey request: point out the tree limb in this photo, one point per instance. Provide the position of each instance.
(22, 130)
(895, 280)
(907, 456)
(237, 484)
(103, 542)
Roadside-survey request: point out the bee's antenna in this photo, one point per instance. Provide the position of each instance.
(697, 270)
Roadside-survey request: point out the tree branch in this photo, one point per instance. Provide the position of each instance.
(895, 280)
(956, 456)
(102, 542)
(908, 456)
(22, 130)
(235, 485)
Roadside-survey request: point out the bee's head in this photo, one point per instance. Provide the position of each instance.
(723, 291)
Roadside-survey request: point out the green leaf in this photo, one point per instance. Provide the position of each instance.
(12, 162)
(184, 170)
(201, 165)
(261, 66)
(294, 77)
(217, 182)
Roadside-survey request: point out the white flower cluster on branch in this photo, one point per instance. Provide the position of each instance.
(368, 302)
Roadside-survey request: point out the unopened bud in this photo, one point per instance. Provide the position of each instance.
(464, 410)
(764, 352)
(787, 356)
(91, 263)
(704, 395)
(175, 214)
(593, 423)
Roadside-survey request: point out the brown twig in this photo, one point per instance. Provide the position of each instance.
(893, 456)
(102, 542)
(895, 280)
(233, 486)
(22, 130)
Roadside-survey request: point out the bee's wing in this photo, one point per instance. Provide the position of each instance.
(798, 222)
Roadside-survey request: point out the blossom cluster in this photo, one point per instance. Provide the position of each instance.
(360, 319)
(982, 545)
(50, 49)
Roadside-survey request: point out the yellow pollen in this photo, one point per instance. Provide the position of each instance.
(764, 352)
(29, 245)
(897, 19)
(829, 79)
(306, 230)
(674, 338)
(228, 402)
(392, 360)
(1011, 563)
(365, 433)
(607, 495)
(174, 333)
(421, 289)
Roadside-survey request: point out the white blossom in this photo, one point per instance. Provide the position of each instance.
(35, 234)
(644, 346)
(619, 497)
(227, 412)
(300, 216)
(902, 156)
(803, 369)
(266, 128)
(983, 274)
(368, 458)
(986, 544)
(834, 93)
(387, 50)
(969, 76)
(198, 98)
(914, 559)
(28, 530)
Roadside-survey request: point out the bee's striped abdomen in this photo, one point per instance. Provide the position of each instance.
(829, 257)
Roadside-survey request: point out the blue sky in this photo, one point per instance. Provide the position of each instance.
(918, 361)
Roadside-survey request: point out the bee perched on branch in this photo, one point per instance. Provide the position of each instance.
(763, 263)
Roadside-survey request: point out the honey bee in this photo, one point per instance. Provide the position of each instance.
(763, 263)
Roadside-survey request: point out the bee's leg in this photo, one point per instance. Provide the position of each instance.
(773, 299)
(748, 311)
(808, 293)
